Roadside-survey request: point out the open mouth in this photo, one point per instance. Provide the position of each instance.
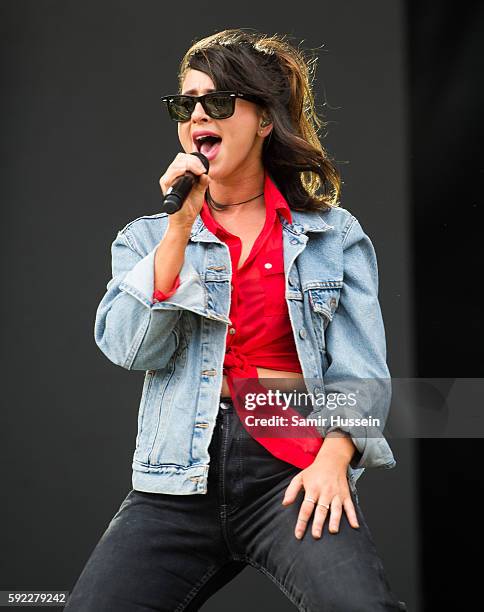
(208, 144)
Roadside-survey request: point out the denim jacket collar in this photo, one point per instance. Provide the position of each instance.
(303, 222)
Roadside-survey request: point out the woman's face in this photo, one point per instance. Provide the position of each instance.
(241, 147)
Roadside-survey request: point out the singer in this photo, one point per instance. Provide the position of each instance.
(257, 273)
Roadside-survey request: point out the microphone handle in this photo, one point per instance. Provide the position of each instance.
(178, 192)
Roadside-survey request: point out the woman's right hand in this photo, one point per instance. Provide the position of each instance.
(184, 218)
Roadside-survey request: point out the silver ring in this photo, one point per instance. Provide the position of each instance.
(310, 499)
(324, 506)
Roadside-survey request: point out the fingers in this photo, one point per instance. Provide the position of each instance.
(182, 163)
(335, 514)
(305, 512)
(292, 490)
(321, 508)
(203, 182)
(351, 512)
(320, 514)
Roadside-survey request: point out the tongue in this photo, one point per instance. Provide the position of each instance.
(207, 145)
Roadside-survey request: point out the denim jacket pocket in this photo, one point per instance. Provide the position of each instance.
(153, 414)
(147, 384)
(145, 417)
(324, 300)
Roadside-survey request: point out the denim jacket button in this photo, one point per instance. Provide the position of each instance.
(302, 333)
(294, 241)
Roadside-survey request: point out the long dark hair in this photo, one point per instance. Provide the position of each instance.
(277, 72)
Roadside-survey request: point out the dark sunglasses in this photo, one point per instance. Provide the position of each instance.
(217, 104)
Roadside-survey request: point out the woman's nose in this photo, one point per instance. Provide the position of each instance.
(198, 111)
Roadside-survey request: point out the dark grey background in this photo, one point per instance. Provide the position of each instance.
(445, 51)
(84, 144)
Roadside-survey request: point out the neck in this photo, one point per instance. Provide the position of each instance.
(238, 188)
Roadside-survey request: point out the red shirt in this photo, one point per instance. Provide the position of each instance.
(261, 332)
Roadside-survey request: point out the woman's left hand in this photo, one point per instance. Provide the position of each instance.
(324, 482)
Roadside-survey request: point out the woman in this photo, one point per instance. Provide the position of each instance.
(243, 283)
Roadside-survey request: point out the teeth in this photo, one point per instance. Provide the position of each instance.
(200, 139)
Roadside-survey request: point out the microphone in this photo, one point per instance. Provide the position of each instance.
(178, 192)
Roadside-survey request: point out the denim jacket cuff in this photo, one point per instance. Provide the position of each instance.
(139, 282)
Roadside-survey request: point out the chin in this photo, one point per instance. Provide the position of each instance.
(218, 170)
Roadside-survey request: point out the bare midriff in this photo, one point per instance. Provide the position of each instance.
(263, 373)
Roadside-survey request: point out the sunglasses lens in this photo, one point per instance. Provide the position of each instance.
(220, 106)
(217, 105)
(180, 108)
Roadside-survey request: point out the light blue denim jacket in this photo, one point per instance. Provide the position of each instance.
(332, 296)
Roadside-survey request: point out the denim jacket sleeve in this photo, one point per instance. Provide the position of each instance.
(356, 352)
(128, 328)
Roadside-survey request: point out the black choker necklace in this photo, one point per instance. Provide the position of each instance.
(217, 206)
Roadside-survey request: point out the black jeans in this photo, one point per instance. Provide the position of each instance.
(172, 552)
